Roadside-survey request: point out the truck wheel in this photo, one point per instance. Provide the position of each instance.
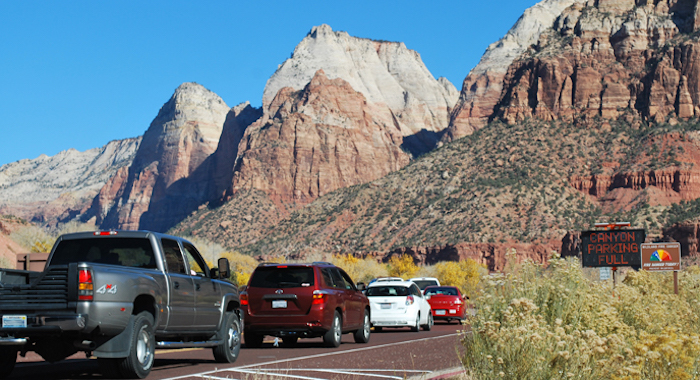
(8, 358)
(362, 335)
(332, 337)
(227, 352)
(253, 340)
(143, 345)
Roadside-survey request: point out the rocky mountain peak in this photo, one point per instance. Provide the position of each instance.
(481, 89)
(183, 135)
(385, 73)
(54, 189)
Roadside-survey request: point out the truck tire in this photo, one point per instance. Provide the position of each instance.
(362, 335)
(227, 352)
(8, 358)
(141, 351)
(332, 337)
(253, 340)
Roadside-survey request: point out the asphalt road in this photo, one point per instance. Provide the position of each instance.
(390, 354)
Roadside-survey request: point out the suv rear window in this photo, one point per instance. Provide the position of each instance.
(130, 252)
(282, 277)
(387, 291)
(425, 283)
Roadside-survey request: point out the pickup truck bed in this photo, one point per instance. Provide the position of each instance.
(107, 293)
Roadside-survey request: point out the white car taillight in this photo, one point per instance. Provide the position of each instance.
(409, 300)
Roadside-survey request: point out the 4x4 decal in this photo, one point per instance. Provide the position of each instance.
(107, 288)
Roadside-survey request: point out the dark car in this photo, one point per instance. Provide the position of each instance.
(292, 301)
(447, 302)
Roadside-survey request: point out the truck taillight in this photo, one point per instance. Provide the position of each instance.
(409, 300)
(85, 285)
(244, 299)
(319, 298)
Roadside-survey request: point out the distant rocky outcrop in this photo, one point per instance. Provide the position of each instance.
(158, 189)
(606, 56)
(481, 89)
(50, 190)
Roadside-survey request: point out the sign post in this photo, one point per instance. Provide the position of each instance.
(659, 257)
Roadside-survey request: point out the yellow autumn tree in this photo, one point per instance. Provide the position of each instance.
(464, 274)
(242, 267)
(359, 270)
(402, 266)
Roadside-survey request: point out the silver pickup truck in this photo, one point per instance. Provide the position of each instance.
(117, 296)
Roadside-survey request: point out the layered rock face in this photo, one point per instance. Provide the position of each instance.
(223, 159)
(481, 89)
(317, 140)
(161, 186)
(386, 73)
(686, 233)
(59, 188)
(664, 186)
(494, 256)
(604, 56)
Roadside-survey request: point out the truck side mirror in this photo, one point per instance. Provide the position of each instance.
(224, 268)
(361, 286)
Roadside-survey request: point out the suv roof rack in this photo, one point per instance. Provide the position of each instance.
(321, 263)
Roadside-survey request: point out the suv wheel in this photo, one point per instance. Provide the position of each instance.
(362, 335)
(252, 340)
(332, 337)
(430, 324)
(416, 326)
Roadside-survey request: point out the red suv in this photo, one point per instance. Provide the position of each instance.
(293, 301)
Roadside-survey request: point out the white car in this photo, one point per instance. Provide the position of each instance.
(398, 304)
(424, 282)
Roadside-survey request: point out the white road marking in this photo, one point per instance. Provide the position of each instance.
(208, 374)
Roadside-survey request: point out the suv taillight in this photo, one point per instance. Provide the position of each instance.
(319, 297)
(409, 300)
(244, 299)
(85, 285)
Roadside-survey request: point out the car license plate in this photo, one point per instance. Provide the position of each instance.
(14, 321)
(385, 306)
(279, 304)
(439, 312)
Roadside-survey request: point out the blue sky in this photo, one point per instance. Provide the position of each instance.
(78, 74)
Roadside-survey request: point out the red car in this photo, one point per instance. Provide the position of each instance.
(292, 301)
(447, 303)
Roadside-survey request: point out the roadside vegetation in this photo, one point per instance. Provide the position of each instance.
(556, 321)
